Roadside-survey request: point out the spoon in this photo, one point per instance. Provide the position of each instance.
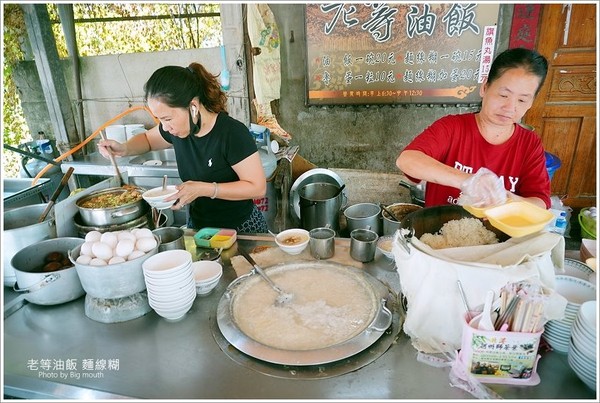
(485, 323)
(283, 297)
(164, 183)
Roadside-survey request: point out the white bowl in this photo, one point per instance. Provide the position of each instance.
(575, 290)
(167, 263)
(174, 314)
(206, 270)
(292, 241)
(207, 274)
(156, 197)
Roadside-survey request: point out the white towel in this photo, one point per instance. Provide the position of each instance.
(428, 280)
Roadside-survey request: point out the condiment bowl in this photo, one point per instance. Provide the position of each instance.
(156, 197)
(292, 241)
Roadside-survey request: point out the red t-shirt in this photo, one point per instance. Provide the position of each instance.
(455, 140)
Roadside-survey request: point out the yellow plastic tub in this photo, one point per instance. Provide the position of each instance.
(519, 218)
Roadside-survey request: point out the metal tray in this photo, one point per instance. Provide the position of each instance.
(381, 320)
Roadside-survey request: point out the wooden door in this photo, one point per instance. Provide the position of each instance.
(564, 112)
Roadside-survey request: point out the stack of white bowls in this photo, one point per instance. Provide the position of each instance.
(582, 346)
(577, 291)
(170, 283)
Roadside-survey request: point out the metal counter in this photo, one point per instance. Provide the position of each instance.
(57, 352)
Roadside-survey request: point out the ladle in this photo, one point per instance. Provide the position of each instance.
(114, 162)
(389, 212)
(283, 297)
(339, 191)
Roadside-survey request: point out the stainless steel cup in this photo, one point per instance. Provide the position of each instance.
(363, 243)
(321, 242)
(170, 238)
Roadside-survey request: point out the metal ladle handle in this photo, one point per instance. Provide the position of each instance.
(260, 271)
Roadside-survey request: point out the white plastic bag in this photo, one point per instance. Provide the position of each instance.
(428, 280)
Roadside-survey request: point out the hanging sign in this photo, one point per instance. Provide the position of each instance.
(378, 53)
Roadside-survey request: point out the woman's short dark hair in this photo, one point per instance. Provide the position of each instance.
(176, 86)
(528, 59)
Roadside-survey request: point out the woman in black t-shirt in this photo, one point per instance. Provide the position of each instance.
(217, 158)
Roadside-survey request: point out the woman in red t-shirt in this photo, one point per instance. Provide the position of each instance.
(479, 157)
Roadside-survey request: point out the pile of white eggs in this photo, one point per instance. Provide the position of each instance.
(101, 249)
(591, 212)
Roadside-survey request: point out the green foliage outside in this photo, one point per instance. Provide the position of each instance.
(97, 34)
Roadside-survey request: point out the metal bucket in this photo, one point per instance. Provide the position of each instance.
(319, 206)
(47, 288)
(399, 210)
(21, 229)
(363, 215)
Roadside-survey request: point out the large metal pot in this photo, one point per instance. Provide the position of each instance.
(46, 288)
(320, 205)
(115, 280)
(431, 219)
(83, 229)
(111, 215)
(374, 296)
(21, 228)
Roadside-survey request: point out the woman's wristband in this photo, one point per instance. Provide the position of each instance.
(216, 185)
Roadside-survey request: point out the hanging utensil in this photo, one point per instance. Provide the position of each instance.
(283, 297)
(389, 212)
(463, 296)
(339, 191)
(56, 193)
(114, 162)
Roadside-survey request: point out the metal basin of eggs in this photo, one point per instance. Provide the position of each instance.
(101, 249)
(109, 264)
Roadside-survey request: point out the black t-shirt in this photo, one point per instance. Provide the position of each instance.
(209, 159)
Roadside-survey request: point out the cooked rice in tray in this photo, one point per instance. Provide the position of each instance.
(464, 232)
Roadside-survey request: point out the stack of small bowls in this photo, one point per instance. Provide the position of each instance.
(170, 283)
(582, 345)
(577, 291)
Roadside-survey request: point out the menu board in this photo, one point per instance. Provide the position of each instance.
(378, 53)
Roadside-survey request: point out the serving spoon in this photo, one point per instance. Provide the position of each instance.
(282, 297)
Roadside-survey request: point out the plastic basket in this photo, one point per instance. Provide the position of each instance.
(500, 357)
(588, 225)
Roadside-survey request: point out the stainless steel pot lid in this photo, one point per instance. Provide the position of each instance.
(312, 176)
(337, 312)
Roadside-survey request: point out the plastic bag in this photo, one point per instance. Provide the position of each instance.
(484, 189)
